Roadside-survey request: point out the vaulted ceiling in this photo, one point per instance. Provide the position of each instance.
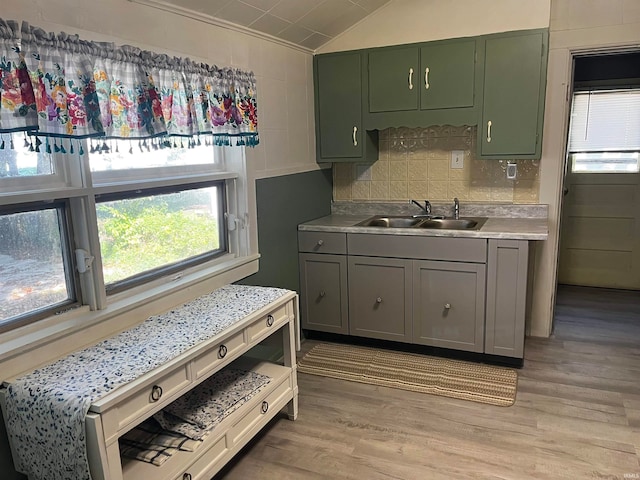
(306, 23)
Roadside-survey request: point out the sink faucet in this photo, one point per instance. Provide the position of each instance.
(426, 208)
(456, 208)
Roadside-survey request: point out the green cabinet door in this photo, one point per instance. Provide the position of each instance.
(447, 75)
(513, 96)
(394, 79)
(338, 102)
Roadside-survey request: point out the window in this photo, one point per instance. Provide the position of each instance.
(143, 235)
(143, 211)
(604, 134)
(35, 273)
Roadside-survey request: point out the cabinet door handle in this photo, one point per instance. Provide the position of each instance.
(270, 320)
(322, 293)
(265, 407)
(156, 393)
(489, 131)
(320, 243)
(186, 476)
(379, 300)
(355, 140)
(411, 79)
(222, 351)
(426, 78)
(447, 306)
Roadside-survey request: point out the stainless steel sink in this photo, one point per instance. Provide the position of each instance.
(453, 223)
(391, 221)
(386, 221)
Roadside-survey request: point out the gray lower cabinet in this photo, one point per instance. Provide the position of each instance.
(323, 281)
(448, 305)
(459, 293)
(507, 275)
(380, 298)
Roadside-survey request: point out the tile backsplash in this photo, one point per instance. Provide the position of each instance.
(415, 163)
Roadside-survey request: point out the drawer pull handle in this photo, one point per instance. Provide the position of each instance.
(156, 393)
(186, 476)
(265, 407)
(426, 78)
(447, 306)
(322, 293)
(355, 140)
(222, 351)
(489, 131)
(320, 243)
(411, 79)
(379, 300)
(270, 320)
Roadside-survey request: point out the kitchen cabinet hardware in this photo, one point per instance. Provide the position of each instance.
(222, 351)
(447, 306)
(270, 320)
(489, 131)
(411, 79)
(355, 140)
(264, 408)
(426, 78)
(379, 300)
(156, 393)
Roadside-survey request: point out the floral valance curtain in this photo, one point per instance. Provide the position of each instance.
(57, 85)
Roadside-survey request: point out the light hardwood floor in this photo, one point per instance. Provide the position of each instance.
(576, 416)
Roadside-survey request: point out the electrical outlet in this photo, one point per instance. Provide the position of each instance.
(512, 170)
(457, 159)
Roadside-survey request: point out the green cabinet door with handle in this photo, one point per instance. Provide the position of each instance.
(447, 75)
(419, 85)
(338, 102)
(394, 79)
(514, 80)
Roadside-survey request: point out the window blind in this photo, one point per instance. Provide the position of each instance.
(605, 121)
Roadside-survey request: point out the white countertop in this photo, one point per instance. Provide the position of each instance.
(495, 227)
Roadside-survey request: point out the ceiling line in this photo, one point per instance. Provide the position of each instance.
(218, 22)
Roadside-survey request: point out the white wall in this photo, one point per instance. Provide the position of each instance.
(410, 21)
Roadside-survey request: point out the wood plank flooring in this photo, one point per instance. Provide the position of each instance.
(576, 416)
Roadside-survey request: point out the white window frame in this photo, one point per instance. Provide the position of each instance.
(80, 191)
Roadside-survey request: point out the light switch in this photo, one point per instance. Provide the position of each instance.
(457, 158)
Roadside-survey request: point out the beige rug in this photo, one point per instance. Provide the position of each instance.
(418, 373)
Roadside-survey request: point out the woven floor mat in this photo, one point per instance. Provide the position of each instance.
(418, 373)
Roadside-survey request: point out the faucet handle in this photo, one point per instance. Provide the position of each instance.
(456, 208)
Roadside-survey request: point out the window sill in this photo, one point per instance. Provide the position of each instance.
(75, 329)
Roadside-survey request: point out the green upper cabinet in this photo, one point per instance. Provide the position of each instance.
(420, 85)
(448, 73)
(338, 101)
(514, 77)
(393, 79)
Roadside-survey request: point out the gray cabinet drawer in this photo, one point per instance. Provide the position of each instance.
(418, 247)
(322, 242)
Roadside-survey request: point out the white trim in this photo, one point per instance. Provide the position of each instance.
(218, 22)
